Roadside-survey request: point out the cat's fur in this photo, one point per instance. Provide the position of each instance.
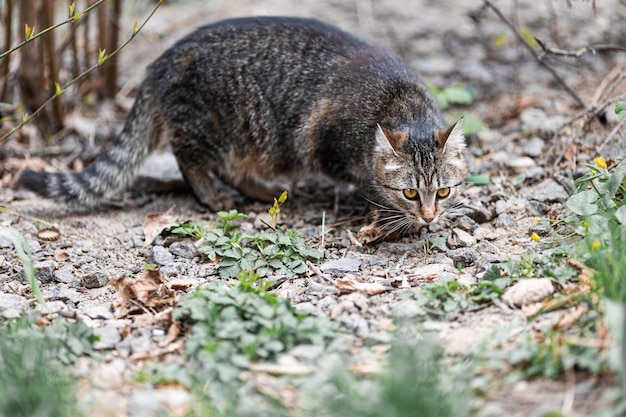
(254, 99)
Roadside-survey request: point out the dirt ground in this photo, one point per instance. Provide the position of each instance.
(526, 146)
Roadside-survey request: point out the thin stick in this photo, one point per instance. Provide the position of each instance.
(4, 72)
(556, 76)
(27, 119)
(616, 129)
(593, 49)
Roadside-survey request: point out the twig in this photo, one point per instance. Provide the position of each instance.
(27, 119)
(593, 49)
(534, 53)
(32, 37)
(616, 129)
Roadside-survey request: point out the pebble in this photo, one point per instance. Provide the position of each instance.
(44, 271)
(533, 147)
(142, 342)
(519, 163)
(94, 279)
(183, 249)
(463, 238)
(547, 191)
(174, 269)
(479, 213)
(65, 274)
(12, 305)
(34, 246)
(160, 255)
(349, 265)
(99, 313)
(464, 256)
(327, 302)
(109, 337)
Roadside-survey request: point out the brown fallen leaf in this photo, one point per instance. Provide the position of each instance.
(570, 317)
(178, 284)
(147, 293)
(155, 224)
(370, 288)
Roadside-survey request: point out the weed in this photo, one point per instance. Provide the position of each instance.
(232, 326)
(450, 298)
(272, 251)
(33, 364)
(429, 245)
(25, 256)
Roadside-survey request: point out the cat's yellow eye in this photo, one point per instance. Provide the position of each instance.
(410, 193)
(443, 192)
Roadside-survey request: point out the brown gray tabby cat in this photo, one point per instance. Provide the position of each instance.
(255, 99)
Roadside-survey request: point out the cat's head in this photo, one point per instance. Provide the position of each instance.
(420, 177)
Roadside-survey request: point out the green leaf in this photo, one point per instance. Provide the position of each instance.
(582, 203)
(620, 215)
(478, 179)
(25, 256)
(620, 109)
(471, 123)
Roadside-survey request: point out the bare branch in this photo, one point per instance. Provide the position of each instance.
(592, 49)
(534, 53)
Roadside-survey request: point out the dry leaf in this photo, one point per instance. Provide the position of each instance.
(370, 288)
(527, 291)
(147, 293)
(570, 317)
(367, 369)
(155, 224)
(178, 284)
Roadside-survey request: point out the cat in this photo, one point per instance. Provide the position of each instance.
(253, 99)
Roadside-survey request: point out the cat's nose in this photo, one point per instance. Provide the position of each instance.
(428, 219)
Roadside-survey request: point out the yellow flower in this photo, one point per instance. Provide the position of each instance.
(534, 236)
(595, 245)
(537, 220)
(600, 162)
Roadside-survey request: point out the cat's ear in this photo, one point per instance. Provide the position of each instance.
(390, 140)
(452, 138)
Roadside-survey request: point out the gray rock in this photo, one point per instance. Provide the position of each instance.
(406, 308)
(540, 229)
(5, 243)
(341, 265)
(479, 213)
(65, 274)
(505, 221)
(12, 305)
(327, 302)
(109, 337)
(34, 246)
(94, 279)
(533, 147)
(183, 249)
(99, 313)
(84, 245)
(463, 238)
(547, 191)
(464, 256)
(44, 271)
(160, 255)
(174, 269)
(142, 342)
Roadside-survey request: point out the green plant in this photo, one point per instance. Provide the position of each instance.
(447, 96)
(450, 298)
(233, 326)
(33, 361)
(620, 109)
(428, 245)
(272, 251)
(25, 256)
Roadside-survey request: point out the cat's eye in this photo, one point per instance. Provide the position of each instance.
(410, 193)
(443, 192)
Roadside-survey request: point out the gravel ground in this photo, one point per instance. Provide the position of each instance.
(447, 42)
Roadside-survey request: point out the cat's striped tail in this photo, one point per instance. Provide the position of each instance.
(113, 172)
